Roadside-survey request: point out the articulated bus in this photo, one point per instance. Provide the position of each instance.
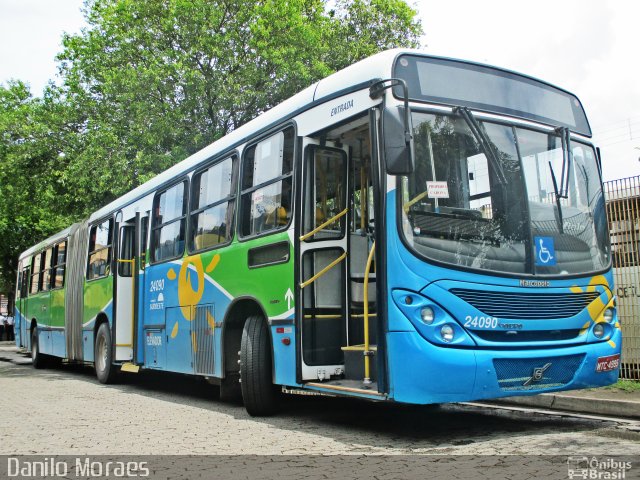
(412, 228)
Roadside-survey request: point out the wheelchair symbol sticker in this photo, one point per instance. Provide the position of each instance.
(545, 251)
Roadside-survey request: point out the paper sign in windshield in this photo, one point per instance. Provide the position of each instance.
(437, 190)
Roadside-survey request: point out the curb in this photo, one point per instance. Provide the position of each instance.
(598, 406)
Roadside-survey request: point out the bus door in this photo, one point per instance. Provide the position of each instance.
(127, 277)
(323, 242)
(21, 325)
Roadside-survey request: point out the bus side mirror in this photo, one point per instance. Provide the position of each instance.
(398, 147)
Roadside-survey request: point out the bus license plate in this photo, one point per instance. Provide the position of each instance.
(606, 364)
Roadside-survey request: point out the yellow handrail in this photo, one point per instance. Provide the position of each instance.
(320, 227)
(324, 270)
(415, 199)
(367, 359)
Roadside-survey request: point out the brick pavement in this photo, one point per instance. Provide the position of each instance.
(66, 411)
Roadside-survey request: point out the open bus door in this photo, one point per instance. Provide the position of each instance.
(336, 276)
(323, 248)
(127, 278)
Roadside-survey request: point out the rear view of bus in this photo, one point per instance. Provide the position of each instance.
(497, 251)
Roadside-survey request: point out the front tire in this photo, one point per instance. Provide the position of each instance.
(103, 355)
(259, 394)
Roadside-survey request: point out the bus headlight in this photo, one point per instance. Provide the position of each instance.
(427, 315)
(608, 315)
(446, 332)
(598, 330)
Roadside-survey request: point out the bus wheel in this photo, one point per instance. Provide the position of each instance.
(105, 370)
(259, 395)
(37, 359)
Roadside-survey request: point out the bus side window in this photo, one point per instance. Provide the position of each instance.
(266, 184)
(100, 238)
(34, 286)
(169, 219)
(46, 270)
(212, 206)
(58, 264)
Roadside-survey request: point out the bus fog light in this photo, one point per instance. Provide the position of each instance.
(427, 315)
(446, 332)
(598, 330)
(608, 315)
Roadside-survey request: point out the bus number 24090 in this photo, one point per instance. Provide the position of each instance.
(480, 322)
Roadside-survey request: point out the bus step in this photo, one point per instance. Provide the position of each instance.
(354, 362)
(130, 367)
(346, 387)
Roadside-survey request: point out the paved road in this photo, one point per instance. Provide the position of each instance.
(66, 411)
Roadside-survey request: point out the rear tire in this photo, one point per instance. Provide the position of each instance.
(259, 394)
(37, 359)
(103, 355)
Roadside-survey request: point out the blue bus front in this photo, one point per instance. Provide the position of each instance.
(498, 258)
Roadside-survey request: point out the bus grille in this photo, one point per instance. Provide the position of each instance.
(203, 339)
(527, 306)
(517, 374)
(527, 335)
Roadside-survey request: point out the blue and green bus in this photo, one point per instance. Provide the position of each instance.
(412, 229)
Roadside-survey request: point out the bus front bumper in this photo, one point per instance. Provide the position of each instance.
(421, 372)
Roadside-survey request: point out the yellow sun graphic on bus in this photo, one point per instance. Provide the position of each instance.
(188, 296)
(597, 307)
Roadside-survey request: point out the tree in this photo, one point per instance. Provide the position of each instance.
(160, 79)
(148, 83)
(30, 167)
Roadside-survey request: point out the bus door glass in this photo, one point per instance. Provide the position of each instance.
(323, 247)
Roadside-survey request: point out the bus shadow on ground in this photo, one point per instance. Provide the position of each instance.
(342, 419)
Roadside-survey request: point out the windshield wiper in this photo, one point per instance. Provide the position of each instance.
(565, 137)
(484, 141)
(558, 196)
(563, 191)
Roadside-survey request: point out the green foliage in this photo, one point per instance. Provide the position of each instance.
(29, 175)
(629, 386)
(148, 83)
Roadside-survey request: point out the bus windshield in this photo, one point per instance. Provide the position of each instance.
(482, 196)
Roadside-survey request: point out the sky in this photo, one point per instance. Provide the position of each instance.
(589, 47)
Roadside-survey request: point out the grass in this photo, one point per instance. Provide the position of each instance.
(625, 386)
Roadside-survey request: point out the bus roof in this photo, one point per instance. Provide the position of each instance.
(48, 241)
